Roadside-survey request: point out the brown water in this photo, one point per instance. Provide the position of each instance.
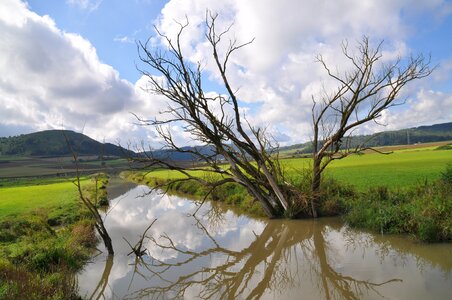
(220, 255)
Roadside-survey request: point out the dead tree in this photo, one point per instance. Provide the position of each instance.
(362, 94)
(236, 151)
(91, 205)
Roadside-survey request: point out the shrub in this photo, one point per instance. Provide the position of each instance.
(444, 147)
(83, 234)
(424, 211)
(446, 176)
(19, 283)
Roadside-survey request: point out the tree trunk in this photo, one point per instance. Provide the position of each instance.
(275, 188)
(105, 238)
(315, 186)
(257, 193)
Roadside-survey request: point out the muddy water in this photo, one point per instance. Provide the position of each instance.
(217, 254)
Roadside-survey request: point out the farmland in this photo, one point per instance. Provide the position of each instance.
(46, 235)
(405, 167)
(17, 200)
(21, 166)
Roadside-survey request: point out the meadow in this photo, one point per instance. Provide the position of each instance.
(46, 235)
(18, 200)
(403, 168)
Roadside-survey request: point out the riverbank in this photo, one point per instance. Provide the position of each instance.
(423, 210)
(46, 236)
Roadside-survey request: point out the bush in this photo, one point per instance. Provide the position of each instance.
(19, 283)
(446, 176)
(444, 147)
(424, 211)
(83, 234)
(333, 194)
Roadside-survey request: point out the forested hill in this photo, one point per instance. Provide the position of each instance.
(53, 143)
(422, 134)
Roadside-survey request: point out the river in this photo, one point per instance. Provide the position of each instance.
(218, 254)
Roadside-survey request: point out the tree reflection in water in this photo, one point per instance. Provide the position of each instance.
(282, 257)
(222, 255)
(98, 292)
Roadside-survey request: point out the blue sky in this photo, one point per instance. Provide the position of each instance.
(112, 27)
(71, 64)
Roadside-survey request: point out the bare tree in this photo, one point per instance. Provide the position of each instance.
(236, 151)
(362, 94)
(90, 204)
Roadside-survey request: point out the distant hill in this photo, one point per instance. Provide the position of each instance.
(421, 134)
(53, 143)
(183, 156)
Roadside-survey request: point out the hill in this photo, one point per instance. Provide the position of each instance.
(183, 156)
(421, 134)
(53, 143)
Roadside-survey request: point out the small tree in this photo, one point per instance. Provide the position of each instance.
(91, 205)
(249, 154)
(362, 94)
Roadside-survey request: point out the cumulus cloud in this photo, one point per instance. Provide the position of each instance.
(427, 107)
(278, 72)
(54, 79)
(89, 5)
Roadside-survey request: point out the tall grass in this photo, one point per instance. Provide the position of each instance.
(424, 211)
(46, 235)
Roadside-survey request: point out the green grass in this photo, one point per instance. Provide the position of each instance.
(21, 200)
(403, 168)
(424, 211)
(46, 235)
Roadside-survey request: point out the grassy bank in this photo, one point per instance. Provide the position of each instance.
(424, 211)
(46, 235)
(371, 190)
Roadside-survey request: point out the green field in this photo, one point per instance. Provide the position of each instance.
(19, 166)
(46, 236)
(402, 168)
(19, 200)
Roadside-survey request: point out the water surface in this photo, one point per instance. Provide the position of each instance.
(217, 254)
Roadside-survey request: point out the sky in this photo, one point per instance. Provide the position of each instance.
(73, 64)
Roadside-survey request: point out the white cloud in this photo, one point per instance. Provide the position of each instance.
(51, 78)
(54, 79)
(124, 39)
(278, 71)
(428, 107)
(89, 5)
